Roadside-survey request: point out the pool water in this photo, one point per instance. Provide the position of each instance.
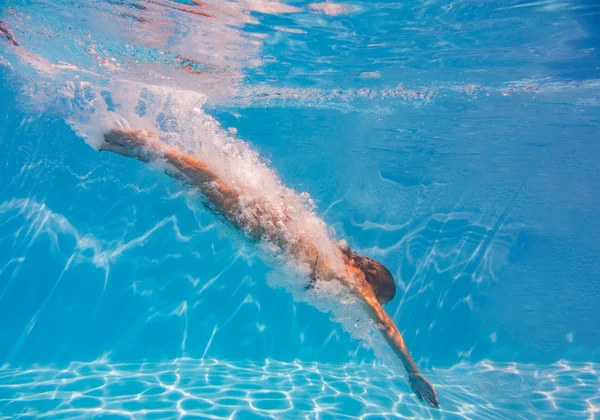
(455, 142)
(210, 388)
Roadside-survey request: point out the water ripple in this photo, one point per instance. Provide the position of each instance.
(213, 388)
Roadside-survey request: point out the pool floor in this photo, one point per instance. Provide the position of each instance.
(191, 388)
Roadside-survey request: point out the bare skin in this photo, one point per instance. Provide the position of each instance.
(225, 200)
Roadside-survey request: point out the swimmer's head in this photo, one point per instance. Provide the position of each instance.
(379, 277)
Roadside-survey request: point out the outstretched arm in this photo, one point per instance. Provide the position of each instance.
(420, 386)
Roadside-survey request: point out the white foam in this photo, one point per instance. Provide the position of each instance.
(103, 97)
(178, 117)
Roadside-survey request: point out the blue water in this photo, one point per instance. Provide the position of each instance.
(455, 142)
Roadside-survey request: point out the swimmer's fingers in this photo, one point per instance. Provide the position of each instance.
(423, 389)
(431, 397)
(418, 394)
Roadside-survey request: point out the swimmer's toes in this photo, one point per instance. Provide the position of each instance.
(117, 137)
(115, 148)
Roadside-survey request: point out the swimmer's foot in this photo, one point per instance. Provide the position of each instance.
(139, 144)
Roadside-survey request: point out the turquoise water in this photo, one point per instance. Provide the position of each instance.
(211, 388)
(455, 142)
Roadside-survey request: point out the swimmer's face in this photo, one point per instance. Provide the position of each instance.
(379, 277)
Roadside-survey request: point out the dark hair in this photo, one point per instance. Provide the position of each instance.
(379, 277)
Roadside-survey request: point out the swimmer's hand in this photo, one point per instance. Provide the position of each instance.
(423, 389)
(139, 144)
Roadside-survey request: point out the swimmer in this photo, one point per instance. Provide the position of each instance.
(370, 281)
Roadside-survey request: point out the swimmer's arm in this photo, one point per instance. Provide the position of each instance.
(420, 386)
